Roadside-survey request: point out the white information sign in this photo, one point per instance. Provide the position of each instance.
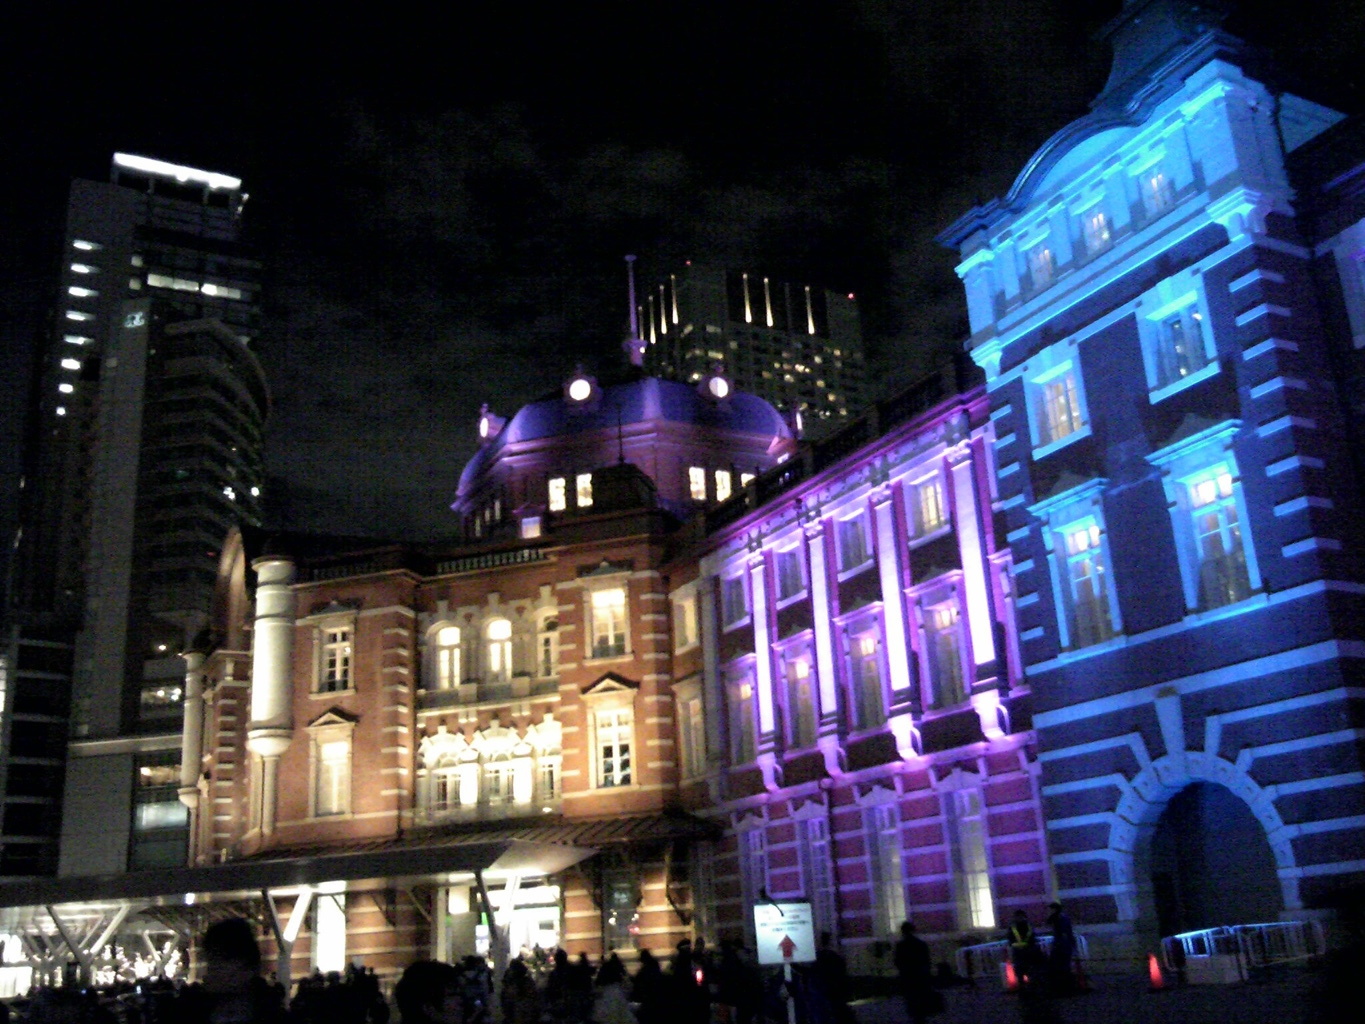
(785, 933)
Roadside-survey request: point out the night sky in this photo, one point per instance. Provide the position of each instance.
(443, 193)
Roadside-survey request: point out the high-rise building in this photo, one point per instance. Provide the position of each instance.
(798, 346)
(143, 449)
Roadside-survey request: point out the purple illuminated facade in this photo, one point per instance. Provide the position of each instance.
(852, 708)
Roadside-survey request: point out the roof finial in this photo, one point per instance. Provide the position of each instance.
(634, 345)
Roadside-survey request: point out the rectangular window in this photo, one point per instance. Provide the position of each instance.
(1059, 412)
(743, 742)
(790, 580)
(818, 874)
(547, 654)
(734, 602)
(609, 623)
(1096, 229)
(1223, 576)
(853, 550)
(745, 479)
(1180, 348)
(558, 494)
(613, 747)
(971, 866)
(691, 735)
(1088, 587)
(930, 509)
(753, 866)
(888, 875)
(865, 662)
(1041, 266)
(943, 653)
(696, 483)
(684, 622)
(724, 484)
(583, 490)
(800, 703)
(445, 790)
(333, 794)
(1157, 190)
(548, 780)
(336, 660)
(497, 784)
(448, 657)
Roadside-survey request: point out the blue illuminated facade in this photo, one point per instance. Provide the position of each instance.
(1165, 349)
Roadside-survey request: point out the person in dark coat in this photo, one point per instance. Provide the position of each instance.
(233, 991)
(690, 1001)
(649, 988)
(1063, 951)
(832, 969)
(430, 992)
(915, 971)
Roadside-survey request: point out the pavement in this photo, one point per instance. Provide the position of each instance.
(1288, 998)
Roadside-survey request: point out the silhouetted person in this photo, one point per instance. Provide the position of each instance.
(429, 993)
(1063, 950)
(520, 998)
(832, 970)
(233, 991)
(649, 988)
(913, 968)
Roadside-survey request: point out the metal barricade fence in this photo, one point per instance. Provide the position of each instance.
(1255, 945)
(984, 959)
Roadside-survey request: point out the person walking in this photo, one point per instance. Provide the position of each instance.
(1063, 951)
(610, 1006)
(915, 972)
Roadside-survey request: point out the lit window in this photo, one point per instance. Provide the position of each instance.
(77, 292)
(66, 389)
(82, 268)
(865, 670)
(135, 283)
(78, 316)
(558, 496)
(696, 483)
(743, 740)
(1158, 193)
(790, 580)
(76, 339)
(971, 866)
(61, 410)
(734, 602)
(1041, 266)
(530, 527)
(608, 622)
(800, 702)
(85, 246)
(684, 622)
(888, 872)
(71, 364)
(1096, 229)
(498, 783)
(221, 291)
(135, 260)
(335, 667)
(943, 655)
(691, 730)
(929, 506)
(333, 792)
(614, 730)
(447, 657)
(1087, 584)
(547, 647)
(723, 484)
(1058, 408)
(1180, 349)
(583, 489)
(499, 634)
(1223, 576)
(853, 550)
(745, 479)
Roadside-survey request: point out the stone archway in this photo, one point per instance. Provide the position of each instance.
(1176, 800)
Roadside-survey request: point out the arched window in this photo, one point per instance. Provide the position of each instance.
(499, 633)
(447, 657)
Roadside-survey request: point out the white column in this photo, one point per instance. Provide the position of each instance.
(893, 599)
(192, 732)
(980, 621)
(825, 645)
(763, 676)
(272, 650)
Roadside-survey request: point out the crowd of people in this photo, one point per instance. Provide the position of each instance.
(697, 985)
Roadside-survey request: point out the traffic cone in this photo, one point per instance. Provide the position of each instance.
(1011, 979)
(1156, 981)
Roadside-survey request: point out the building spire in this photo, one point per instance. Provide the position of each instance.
(634, 344)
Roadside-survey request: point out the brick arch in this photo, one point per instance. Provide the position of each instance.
(1146, 797)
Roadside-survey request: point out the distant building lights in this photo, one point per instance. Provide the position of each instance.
(66, 389)
(177, 171)
(78, 292)
(82, 268)
(851, 297)
(71, 364)
(78, 316)
(76, 339)
(84, 246)
(61, 410)
(255, 492)
(229, 493)
(580, 389)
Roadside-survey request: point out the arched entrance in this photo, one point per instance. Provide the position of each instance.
(1211, 863)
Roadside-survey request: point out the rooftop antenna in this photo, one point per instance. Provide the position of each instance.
(634, 345)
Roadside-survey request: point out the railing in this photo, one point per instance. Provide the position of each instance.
(984, 960)
(491, 560)
(1254, 945)
(478, 692)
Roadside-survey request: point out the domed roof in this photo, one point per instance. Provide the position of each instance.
(637, 401)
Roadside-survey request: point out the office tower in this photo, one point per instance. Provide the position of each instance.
(798, 346)
(144, 448)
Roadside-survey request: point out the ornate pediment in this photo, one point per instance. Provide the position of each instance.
(333, 716)
(611, 683)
